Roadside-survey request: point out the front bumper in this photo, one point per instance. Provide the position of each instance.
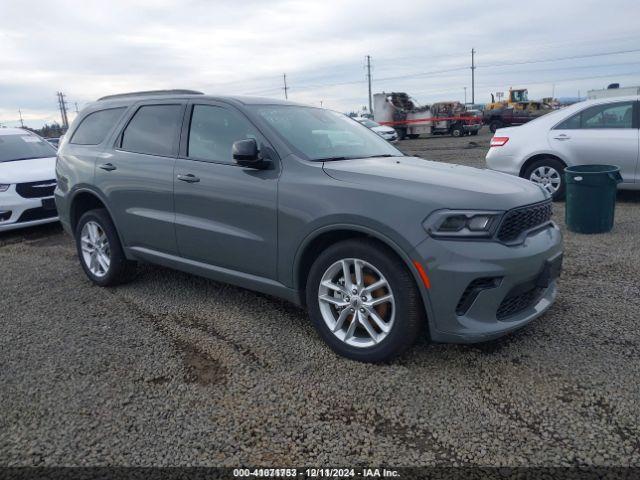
(389, 137)
(19, 212)
(452, 266)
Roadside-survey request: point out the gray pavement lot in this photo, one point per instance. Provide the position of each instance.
(173, 369)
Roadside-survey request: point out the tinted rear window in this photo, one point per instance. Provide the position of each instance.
(153, 130)
(95, 126)
(24, 147)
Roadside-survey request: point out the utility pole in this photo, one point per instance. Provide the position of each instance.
(63, 110)
(284, 77)
(369, 81)
(473, 76)
(465, 95)
(21, 122)
(76, 104)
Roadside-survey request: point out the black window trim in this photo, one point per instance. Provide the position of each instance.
(107, 135)
(635, 116)
(186, 132)
(117, 145)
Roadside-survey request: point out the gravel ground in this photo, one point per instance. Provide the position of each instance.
(177, 370)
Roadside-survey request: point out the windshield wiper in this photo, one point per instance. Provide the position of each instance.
(333, 159)
(18, 159)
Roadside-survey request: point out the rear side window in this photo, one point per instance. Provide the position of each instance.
(616, 115)
(153, 130)
(94, 127)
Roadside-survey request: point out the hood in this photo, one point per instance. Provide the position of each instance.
(443, 185)
(23, 171)
(383, 129)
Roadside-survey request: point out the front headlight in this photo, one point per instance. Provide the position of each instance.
(462, 223)
(4, 187)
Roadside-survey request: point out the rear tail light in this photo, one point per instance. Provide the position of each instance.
(499, 141)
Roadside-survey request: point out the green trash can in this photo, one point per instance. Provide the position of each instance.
(591, 197)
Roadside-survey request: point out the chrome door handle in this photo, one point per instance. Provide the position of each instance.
(562, 137)
(189, 178)
(109, 167)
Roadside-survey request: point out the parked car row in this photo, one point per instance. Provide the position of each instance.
(278, 198)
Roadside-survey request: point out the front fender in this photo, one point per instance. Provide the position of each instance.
(403, 248)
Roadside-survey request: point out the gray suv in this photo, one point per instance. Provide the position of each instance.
(308, 205)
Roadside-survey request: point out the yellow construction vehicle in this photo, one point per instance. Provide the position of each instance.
(518, 99)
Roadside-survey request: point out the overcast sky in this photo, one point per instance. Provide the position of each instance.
(88, 49)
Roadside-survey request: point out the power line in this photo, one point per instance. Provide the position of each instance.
(558, 59)
(62, 103)
(284, 78)
(369, 80)
(473, 78)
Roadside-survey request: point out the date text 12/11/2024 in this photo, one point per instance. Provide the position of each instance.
(316, 472)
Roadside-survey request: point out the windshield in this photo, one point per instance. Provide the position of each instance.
(24, 146)
(369, 123)
(317, 134)
(520, 96)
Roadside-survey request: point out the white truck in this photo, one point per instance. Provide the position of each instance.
(398, 110)
(613, 90)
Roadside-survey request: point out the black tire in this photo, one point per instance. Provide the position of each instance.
(495, 125)
(413, 136)
(409, 310)
(474, 132)
(120, 269)
(457, 131)
(557, 165)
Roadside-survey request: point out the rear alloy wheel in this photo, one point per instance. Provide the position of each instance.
(457, 131)
(363, 301)
(549, 174)
(101, 255)
(96, 251)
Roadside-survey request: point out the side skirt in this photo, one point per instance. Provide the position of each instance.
(220, 274)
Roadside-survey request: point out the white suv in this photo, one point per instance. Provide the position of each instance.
(603, 131)
(27, 179)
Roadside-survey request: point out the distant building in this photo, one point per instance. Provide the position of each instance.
(613, 90)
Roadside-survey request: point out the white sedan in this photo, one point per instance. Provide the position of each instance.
(603, 131)
(27, 179)
(385, 132)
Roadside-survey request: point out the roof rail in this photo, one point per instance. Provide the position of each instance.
(151, 92)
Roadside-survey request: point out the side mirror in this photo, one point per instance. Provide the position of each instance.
(246, 154)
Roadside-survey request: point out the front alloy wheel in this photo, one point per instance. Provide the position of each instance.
(363, 300)
(356, 302)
